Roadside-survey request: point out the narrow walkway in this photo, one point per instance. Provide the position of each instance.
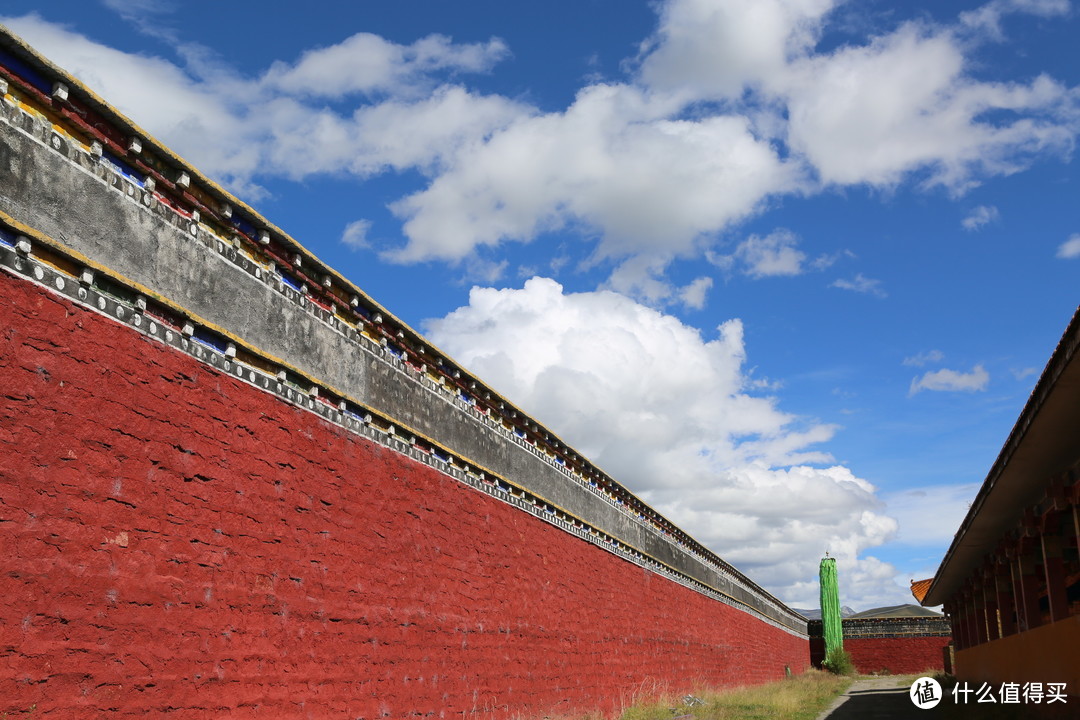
(875, 698)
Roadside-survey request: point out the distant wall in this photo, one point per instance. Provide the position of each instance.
(895, 645)
(897, 655)
(175, 539)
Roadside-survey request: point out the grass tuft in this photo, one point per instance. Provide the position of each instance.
(839, 662)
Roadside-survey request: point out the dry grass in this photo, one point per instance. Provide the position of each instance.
(800, 698)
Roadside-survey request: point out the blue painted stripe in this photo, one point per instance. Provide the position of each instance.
(124, 169)
(24, 71)
(291, 282)
(207, 340)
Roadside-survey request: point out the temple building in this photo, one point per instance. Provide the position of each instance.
(1010, 581)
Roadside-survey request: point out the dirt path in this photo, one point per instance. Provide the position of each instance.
(874, 698)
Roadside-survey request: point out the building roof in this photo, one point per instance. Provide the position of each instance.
(1042, 444)
(895, 611)
(919, 588)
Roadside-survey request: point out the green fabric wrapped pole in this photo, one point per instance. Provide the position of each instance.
(830, 606)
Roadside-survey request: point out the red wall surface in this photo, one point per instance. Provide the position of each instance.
(898, 655)
(172, 539)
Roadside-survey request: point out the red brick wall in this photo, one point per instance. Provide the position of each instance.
(173, 539)
(898, 655)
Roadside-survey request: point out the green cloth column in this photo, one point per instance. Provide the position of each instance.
(830, 606)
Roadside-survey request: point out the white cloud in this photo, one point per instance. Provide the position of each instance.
(987, 18)
(874, 112)
(946, 380)
(861, 284)
(395, 134)
(772, 255)
(148, 16)
(642, 277)
(979, 216)
(824, 262)
(612, 163)
(356, 234)
(924, 358)
(195, 119)
(1070, 248)
(877, 112)
(929, 516)
(693, 296)
(709, 49)
(672, 415)
(238, 130)
(1024, 373)
(367, 63)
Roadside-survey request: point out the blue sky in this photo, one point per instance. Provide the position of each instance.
(788, 269)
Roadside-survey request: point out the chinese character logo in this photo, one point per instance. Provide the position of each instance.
(925, 693)
(1010, 693)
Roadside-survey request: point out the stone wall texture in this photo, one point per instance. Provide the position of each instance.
(176, 543)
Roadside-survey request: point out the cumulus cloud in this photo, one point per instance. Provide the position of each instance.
(877, 112)
(708, 49)
(874, 113)
(980, 216)
(675, 416)
(613, 162)
(861, 284)
(1070, 248)
(946, 380)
